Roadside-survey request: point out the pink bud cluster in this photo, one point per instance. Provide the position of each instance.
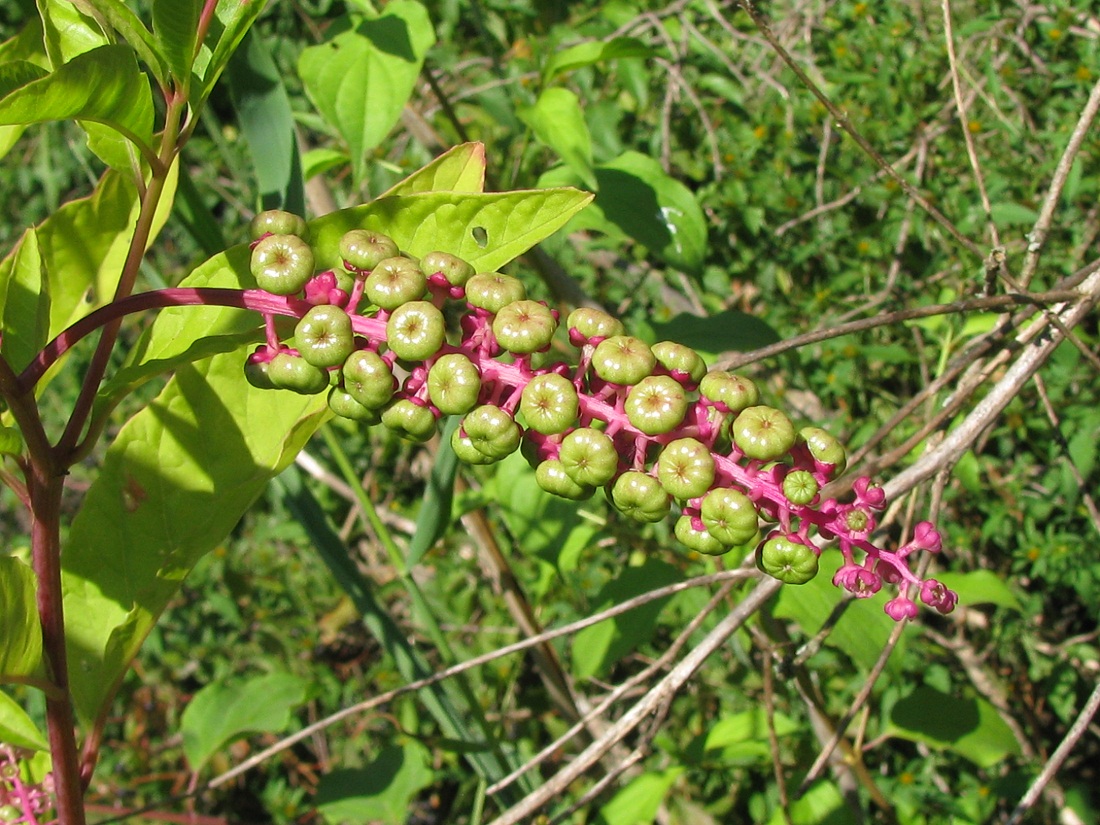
(22, 802)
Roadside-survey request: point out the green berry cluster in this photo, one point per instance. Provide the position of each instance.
(649, 425)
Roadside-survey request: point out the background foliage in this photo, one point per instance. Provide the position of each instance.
(730, 213)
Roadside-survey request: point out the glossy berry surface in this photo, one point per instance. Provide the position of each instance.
(393, 282)
(493, 291)
(524, 327)
(362, 250)
(277, 222)
(550, 404)
(686, 468)
(281, 264)
(324, 336)
(454, 384)
(415, 330)
(656, 404)
(368, 379)
(589, 457)
(763, 433)
(623, 359)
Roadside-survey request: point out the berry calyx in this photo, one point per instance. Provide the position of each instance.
(825, 449)
(451, 268)
(683, 363)
(588, 325)
(281, 264)
(732, 392)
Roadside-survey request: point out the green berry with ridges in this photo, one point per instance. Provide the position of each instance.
(673, 356)
(549, 404)
(701, 541)
(824, 447)
(467, 452)
(369, 379)
(278, 222)
(281, 264)
(454, 269)
(410, 420)
(415, 330)
(492, 431)
(789, 561)
(362, 250)
(656, 404)
(291, 372)
(493, 291)
(763, 433)
(685, 468)
(589, 457)
(552, 478)
(343, 403)
(524, 327)
(729, 516)
(393, 282)
(257, 374)
(454, 384)
(623, 359)
(324, 336)
(593, 323)
(734, 391)
(800, 487)
(640, 497)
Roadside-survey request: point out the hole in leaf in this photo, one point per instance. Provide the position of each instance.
(481, 236)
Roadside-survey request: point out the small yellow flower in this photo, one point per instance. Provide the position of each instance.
(1054, 34)
(1083, 73)
(859, 10)
(760, 132)
(974, 126)
(863, 247)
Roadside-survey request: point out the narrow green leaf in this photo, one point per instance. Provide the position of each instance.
(17, 728)
(102, 85)
(176, 28)
(558, 122)
(654, 209)
(362, 78)
(267, 124)
(175, 480)
(380, 792)
(235, 19)
(1008, 212)
(968, 726)
(435, 509)
(21, 652)
(459, 169)
(26, 304)
(221, 713)
(588, 54)
(727, 330)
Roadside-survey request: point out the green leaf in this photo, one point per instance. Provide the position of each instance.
(25, 299)
(741, 738)
(21, 652)
(435, 510)
(381, 791)
(18, 729)
(235, 19)
(588, 54)
(267, 124)
(318, 161)
(67, 32)
(597, 648)
(558, 122)
(822, 804)
(970, 727)
(715, 334)
(174, 482)
(221, 713)
(981, 587)
(362, 78)
(117, 16)
(459, 169)
(654, 209)
(639, 800)
(1008, 212)
(176, 28)
(103, 85)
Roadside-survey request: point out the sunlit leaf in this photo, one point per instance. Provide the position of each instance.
(596, 51)
(640, 799)
(969, 726)
(25, 300)
(459, 169)
(381, 791)
(557, 120)
(21, 652)
(18, 729)
(175, 26)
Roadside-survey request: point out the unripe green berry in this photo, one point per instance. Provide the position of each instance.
(281, 264)
(623, 359)
(343, 403)
(410, 420)
(552, 478)
(676, 357)
(454, 269)
(368, 379)
(363, 249)
(324, 336)
(454, 384)
(415, 330)
(656, 404)
(593, 323)
(393, 282)
(735, 391)
(493, 291)
(824, 448)
(640, 496)
(729, 516)
(549, 404)
(256, 374)
(686, 468)
(291, 372)
(467, 452)
(492, 431)
(789, 561)
(277, 222)
(524, 327)
(800, 487)
(589, 457)
(763, 433)
(701, 541)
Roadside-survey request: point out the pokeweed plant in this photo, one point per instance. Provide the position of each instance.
(350, 311)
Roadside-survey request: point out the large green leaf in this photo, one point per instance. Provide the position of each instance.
(176, 27)
(361, 79)
(25, 299)
(67, 32)
(119, 17)
(21, 652)
(223, 712)
(103, 85)
(174, 482)
(18, 729)
(380, 792)
(558, 122)
(459, 169)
